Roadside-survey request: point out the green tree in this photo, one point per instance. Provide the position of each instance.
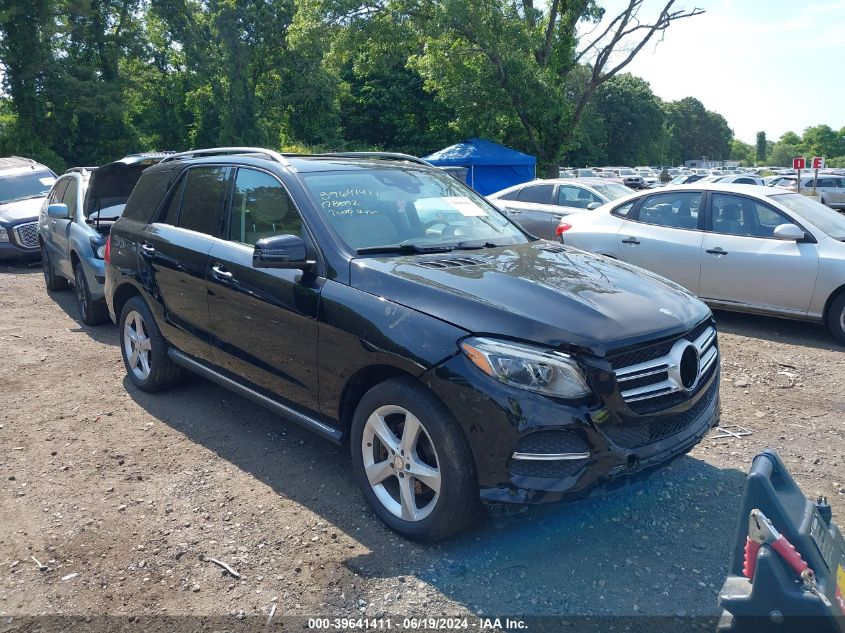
(633, 120)
(696, 132)
(790, 138)
(26, 53)
(821, 140)
(762, 147)
(784, 152)
(381, 100)
(743, 152)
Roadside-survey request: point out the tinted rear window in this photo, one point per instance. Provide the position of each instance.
(147, 194)
(203, 199)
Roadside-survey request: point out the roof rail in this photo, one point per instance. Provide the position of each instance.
(214, 151)
(379, 155)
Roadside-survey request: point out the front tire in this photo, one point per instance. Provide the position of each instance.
(92, 312)
(412, 461)
(144, 349)
(836, 318)
(53, 281)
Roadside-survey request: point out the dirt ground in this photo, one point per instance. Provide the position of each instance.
(121, 494)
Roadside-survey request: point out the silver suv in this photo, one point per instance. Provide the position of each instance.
(75, 220)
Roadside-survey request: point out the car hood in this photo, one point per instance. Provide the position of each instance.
(540, 292)
(21, 210)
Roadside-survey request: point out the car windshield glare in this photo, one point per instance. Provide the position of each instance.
(26, 185)
(387, 207)
(817, 214)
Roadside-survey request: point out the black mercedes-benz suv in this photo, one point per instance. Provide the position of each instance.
(379, 302)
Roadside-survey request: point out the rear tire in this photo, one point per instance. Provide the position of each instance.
(836, 318)
(422, 482)
(92, 312)
(53, 281)
(144, 349)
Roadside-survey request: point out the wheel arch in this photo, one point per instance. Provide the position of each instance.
(123, 293)
(833, 297)
(360, 383)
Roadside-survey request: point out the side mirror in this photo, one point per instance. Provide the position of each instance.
(282, 251)
(788, 232)
(58, 211)
(593, 205)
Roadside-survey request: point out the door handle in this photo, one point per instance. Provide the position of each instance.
(219, 272)
(630, 240)
(717, 251)
(148, 250)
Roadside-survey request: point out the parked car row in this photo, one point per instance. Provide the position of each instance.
(382, 304)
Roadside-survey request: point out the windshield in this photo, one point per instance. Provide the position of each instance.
(586, 173)
(612, 191)
(825, 218)
(627, 172)
(407, 207)
(27, 185)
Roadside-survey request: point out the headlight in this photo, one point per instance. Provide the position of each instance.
(101, 251)
(527, 367)
(4, 235)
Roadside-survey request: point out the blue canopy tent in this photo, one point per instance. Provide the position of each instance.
(492, 167)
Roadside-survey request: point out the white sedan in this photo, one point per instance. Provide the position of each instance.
(738, 247)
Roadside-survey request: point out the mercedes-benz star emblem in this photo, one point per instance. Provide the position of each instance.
(689, 366)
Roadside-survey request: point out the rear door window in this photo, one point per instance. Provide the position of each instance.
(572, 196)
(203, 199)
(678, 209)
(540, 194)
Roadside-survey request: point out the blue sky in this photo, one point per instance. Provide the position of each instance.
(771, 65)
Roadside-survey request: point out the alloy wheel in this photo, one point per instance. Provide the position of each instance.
(137, 345)
(401, 463)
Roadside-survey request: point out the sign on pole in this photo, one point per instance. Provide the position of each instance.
(798, 163)
(818, 163)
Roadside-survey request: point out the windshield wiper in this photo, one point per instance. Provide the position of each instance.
(402, 248)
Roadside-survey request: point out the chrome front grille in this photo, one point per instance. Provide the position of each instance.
(27, 234)
(663, 381)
